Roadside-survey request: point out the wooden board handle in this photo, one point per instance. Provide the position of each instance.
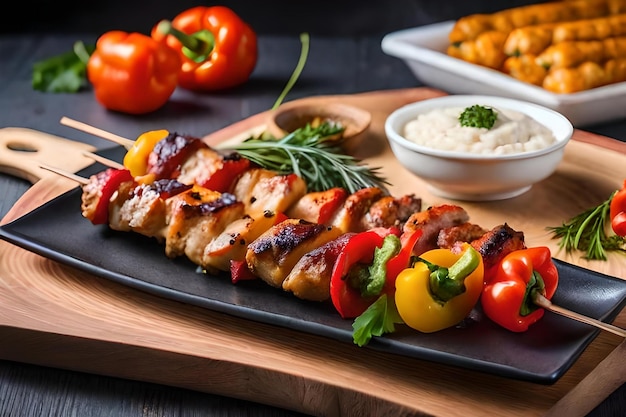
(24, 150)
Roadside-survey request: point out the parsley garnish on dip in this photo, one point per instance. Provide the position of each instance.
(478, 130)
(478, 116)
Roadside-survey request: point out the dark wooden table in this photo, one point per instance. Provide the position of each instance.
(336, 65)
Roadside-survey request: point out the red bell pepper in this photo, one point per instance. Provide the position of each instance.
(239, 271)
(107, 182)
(229, 169)
(402, 260)
(217, 48)
(618, 212)
(132, 73)
(353, 262)
(508, 299)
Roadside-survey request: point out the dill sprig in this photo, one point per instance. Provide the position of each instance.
(586, 232)
(314, 154)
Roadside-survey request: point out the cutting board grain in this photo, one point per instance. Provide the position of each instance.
(53, 315)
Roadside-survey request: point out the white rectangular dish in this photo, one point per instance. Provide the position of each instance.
(424, 51)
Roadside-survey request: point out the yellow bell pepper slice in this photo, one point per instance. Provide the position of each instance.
(427, 306)
(136, 159)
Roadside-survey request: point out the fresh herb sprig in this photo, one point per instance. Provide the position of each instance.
(65, 73)
(314, 154)
(586, 232)
(478, 116)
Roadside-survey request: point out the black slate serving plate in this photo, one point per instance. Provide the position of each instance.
(541, 355)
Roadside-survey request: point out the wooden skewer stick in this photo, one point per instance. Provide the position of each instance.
(104, 161)
(127, 143)
(73, 177)
(542, 301)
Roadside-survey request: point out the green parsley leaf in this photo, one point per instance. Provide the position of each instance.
(65, 73)
(378, 319)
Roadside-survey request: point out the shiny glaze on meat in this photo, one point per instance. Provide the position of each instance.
(273, 255)
(497, 243)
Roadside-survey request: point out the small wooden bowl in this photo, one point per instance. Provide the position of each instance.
(291, 116)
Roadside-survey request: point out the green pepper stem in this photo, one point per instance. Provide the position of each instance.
(447, 283)
(534, 286)
(197, 46)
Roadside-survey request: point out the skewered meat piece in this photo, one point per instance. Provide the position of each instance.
(309, 279)
(466, 232)
(274, 254)
(140, 209)
(196, 217)
(262, 190)
(232, 243)
(497, 243)
(319, 206)
(349, 217)
(431, 221)
(391, 211)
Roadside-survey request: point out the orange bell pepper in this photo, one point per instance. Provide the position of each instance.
(132, 73)
(217, 48)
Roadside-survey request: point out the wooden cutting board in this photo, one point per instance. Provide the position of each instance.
(56, 316)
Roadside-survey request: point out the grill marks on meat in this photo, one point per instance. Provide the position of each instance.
(194, 218)
(171, 152)
(309, 279)
(273, 255)
(497, 243)
(233, 242)
(298, 254)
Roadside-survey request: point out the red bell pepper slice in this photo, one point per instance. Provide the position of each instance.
(617, 212)
(110, 180)
(507, 298)
(222, 179)
(359, 249)
(239, 271)
(402, 260)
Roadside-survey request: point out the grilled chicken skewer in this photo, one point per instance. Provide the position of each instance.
(212, 229)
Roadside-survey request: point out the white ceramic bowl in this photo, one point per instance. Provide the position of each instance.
(474, 177)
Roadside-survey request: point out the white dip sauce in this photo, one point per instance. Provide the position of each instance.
(513, 132)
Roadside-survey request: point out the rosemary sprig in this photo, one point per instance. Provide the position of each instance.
(314, 154)
(586, 232)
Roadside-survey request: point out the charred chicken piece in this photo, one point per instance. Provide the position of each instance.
(310, 277)
(431, 221)
(233, 242)
(273, 255)
(497, 243)
(195, 218)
